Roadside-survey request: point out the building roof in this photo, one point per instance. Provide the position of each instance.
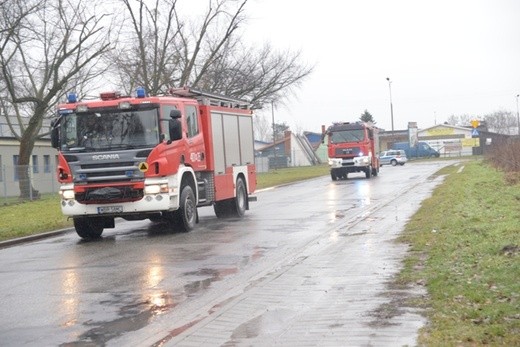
(5, 130)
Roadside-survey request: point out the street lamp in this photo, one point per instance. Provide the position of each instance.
(517, 114)
(391, 106)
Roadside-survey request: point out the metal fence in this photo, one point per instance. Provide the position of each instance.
(41, 180)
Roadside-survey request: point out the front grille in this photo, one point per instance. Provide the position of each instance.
(106, 165)
(109, 194)
(347, 152)
(107, 171)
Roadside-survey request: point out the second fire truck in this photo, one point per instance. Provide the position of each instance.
(155, 157)
(353, 147)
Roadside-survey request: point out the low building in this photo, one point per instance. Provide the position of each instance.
(292, 150)
(451, 140)
(42, 168)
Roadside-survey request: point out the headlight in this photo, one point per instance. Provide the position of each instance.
(156, 189)
(67, 194)
(335, 162)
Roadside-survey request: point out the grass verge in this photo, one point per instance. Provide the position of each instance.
(288, 175)
(31, 217)
(465, 248)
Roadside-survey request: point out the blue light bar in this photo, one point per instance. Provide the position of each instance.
(140, 92)
(72, 97)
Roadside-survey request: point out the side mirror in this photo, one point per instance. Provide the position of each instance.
(323, 137)
(175, 114)
(175, 126)
(55, 133)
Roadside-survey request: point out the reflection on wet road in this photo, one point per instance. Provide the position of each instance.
(142, 285)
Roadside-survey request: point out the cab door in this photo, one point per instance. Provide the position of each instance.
(195, 155)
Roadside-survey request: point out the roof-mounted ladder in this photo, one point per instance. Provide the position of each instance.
(207, 98)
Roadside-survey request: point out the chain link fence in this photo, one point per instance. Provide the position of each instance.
(39, 180)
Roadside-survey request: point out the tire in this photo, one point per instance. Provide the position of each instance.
(235, 207)
(368, 172)
(88, 228)
(393, 162)
(156, 219)
(333, 175)
(186, 215)
(222, 208)
(240, 200)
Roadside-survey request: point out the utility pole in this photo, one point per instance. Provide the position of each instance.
(391, 106)
(517, 114)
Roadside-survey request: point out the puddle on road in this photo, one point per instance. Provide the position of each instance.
(133, 316)
(135, 313)
(269, 323)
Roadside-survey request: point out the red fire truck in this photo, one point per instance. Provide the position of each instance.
(155, 157)
(353, 147)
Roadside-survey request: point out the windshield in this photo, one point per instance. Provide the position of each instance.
(354, 135)
(120, 129)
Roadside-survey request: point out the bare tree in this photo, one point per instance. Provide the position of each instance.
(502, 122)
(51, 47)
(147, 53)
(261, 76)
(206, 54)
(461, 120)
(262, 128)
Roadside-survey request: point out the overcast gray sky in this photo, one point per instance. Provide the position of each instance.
(444, 57)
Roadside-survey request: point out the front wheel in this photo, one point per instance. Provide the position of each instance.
(186, 215)
(368, 172)
(88, 228)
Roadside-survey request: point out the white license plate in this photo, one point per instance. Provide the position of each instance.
(110, 209)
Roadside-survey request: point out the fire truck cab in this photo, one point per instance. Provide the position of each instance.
(155, 157)
(353, 147)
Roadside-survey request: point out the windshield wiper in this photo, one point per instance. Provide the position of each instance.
(121, 146)
(86, 149)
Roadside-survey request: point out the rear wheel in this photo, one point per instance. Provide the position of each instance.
(393, 162)
(221, 208)
(235, 207)
(88, 228)
(240, 201)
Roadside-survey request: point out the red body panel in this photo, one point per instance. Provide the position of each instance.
(165, 158)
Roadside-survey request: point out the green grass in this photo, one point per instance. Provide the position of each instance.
(288, 175)
(18, 219)
(465, 247)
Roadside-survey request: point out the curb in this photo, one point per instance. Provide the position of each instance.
(30, 238)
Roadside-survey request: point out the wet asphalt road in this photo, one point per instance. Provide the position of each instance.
(308, 265)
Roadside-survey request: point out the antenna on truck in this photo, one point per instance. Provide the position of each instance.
(207, 98)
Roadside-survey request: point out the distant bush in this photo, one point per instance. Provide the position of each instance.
(505, 156)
